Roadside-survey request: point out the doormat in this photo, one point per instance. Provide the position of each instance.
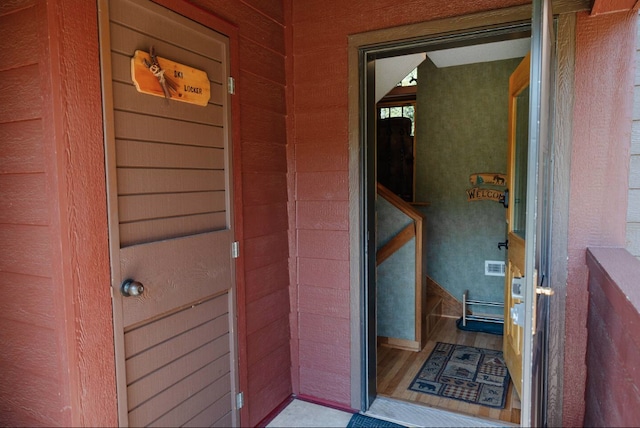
(362, 421)
(466, 373)
(481, 327)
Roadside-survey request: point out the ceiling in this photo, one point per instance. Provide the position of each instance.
(486, 52)
(389, 71)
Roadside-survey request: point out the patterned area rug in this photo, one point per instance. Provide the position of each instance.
(466, 373)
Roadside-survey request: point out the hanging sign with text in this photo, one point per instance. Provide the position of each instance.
(491, 178)
(480, 194)
(168, 79)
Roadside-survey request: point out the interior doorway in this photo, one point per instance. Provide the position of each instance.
(457, 166)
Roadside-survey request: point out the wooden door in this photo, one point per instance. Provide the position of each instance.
(168, 165)
(516, 219)
(528, 218)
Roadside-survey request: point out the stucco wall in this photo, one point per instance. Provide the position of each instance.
(599, 173)
(461, 129)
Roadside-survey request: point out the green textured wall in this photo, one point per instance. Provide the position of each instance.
(461, 129)
(396, 276)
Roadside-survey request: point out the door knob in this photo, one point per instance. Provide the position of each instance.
(130, 288)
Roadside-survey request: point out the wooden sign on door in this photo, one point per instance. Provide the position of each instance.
(184, 84)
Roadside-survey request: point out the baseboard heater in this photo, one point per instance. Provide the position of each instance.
(466, 302)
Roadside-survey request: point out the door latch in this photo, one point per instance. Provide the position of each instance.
(504, 199)
(517, 288)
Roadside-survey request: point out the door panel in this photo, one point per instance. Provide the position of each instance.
(528, 216)
(516, 215)
(177, 272)
(170, 224)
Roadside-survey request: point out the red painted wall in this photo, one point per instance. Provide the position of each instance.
(57, 365)
(320, 328)
(263, 289)
(602, 124)
(604, 68)
(57, 362)
(613, 346)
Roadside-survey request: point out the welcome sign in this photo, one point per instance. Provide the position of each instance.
(480, 194)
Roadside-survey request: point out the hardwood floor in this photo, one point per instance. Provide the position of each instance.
(397, 368)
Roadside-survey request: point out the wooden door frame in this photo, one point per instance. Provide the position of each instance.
(238, 328)
(357, 44)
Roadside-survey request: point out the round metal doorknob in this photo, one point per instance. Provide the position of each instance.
(130, 288)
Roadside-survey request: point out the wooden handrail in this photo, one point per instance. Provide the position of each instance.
(400, 203)
(405, 235)
(396, 243)
(415, 229)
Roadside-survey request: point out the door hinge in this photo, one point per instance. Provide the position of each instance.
(235, 249)
(232, 85)
(240, 400)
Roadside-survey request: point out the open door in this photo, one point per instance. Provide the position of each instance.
(528, 211)
(516, 220)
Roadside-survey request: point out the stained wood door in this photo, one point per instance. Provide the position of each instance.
(516, 219)
(168, 165)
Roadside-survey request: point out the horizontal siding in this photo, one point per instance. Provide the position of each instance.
(22, 150)
(267, 310)
(266, 340)
(330, 302)
(265, 219)
(323, 273)
(264, 188)
(323, 244)
(633, 210)
(325, 155)
(324, 215)
(265, 249)
(319, 186)
(321, 29)
(265, 157)
(266, 280)
(22, 51)
(612, 397)
(24, 199)
(35, 303)
(52, 219)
